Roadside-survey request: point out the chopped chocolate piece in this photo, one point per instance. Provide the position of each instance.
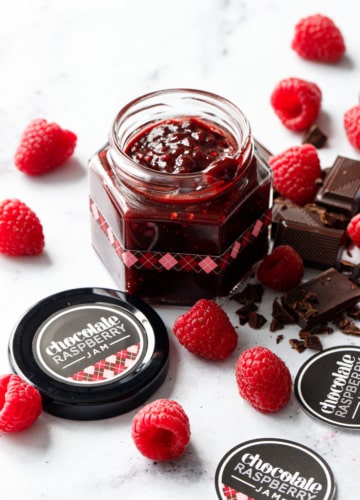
(351, 329)
(313, 342)
(315, 136)
(322, 329)
(279, 338)
(334, 294)
(341, 321)
(251, 293)
(256, 320)
(275, 325)
(354, 312)
(298, 345)
(341, 187)
(244, 311)
(280, 314)
(317, 235)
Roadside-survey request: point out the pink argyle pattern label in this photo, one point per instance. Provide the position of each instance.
(109, 367)
(232, 494)
(179, 261)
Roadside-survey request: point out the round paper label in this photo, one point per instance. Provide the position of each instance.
(328, 386)
(273, 468)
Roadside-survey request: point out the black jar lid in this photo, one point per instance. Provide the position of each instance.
(91, 352)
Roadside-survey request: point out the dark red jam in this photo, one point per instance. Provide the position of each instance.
(166, 251)
(179, 146)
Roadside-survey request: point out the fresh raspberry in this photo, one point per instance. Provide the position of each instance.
(296, 171)
(352, 125)
(281, 270)
(317, 38)
(263, 379)
(43, 147)
(161, 430)
(296, 102)
(20, 404)
(353, 229)
(21, 232)
(206, 331)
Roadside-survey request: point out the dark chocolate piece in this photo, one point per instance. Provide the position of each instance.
(319, 236)
(280, 314)
(298, 345)
(315, 136)
(321, 299)
(279, 338)
(256, 320)
(311, 341)
(251, 293)
(341, 188)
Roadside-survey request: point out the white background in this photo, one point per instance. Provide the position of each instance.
(77, 63)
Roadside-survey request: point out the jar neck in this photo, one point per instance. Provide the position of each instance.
(219, 176)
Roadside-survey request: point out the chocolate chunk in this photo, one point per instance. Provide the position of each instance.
(280, 314)
(251, 293)
(298, 345)
(341, 188)
(244, 312)
(315, 136)
(334, 294)
(319, 236)
(275, 325)
(256, 320)
(313, 342)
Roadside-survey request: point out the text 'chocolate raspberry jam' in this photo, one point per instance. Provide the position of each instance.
(91, 352)
(180, 201)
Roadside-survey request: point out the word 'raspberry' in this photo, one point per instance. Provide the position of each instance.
(161, 430)
(317, 38)
(296, 172)
(353, 229)
(43, 147)
(296, 102)
(21, 232)
(263, 379)
(352, 125)
(282, 269)
(20, 404)
(206, 330)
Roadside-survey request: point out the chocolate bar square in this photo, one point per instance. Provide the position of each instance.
(321, 299)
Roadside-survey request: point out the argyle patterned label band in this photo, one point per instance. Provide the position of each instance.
(109, 367)
(232, 494)
(180, 261)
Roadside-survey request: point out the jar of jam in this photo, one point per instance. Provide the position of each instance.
(180, 198)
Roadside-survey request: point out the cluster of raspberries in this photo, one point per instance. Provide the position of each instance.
(297, 103)
(161, 429)
(43, 147)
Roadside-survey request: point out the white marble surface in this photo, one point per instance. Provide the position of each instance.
(77, 63)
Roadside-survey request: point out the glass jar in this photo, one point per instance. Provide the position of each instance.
(174, 235)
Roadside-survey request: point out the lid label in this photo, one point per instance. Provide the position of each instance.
(89, 344)
(328, 386)
(273, 468)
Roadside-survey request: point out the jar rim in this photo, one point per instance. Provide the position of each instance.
(233, 121)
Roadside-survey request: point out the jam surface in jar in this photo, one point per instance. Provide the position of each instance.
(160, 237)
(179, 146)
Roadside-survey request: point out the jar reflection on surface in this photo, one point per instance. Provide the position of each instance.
(174, 238)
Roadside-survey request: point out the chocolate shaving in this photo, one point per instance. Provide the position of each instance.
(279, 338)
(275, 325)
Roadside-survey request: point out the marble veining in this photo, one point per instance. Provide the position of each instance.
(77, 63)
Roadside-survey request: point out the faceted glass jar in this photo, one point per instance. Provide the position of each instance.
(170, 237)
